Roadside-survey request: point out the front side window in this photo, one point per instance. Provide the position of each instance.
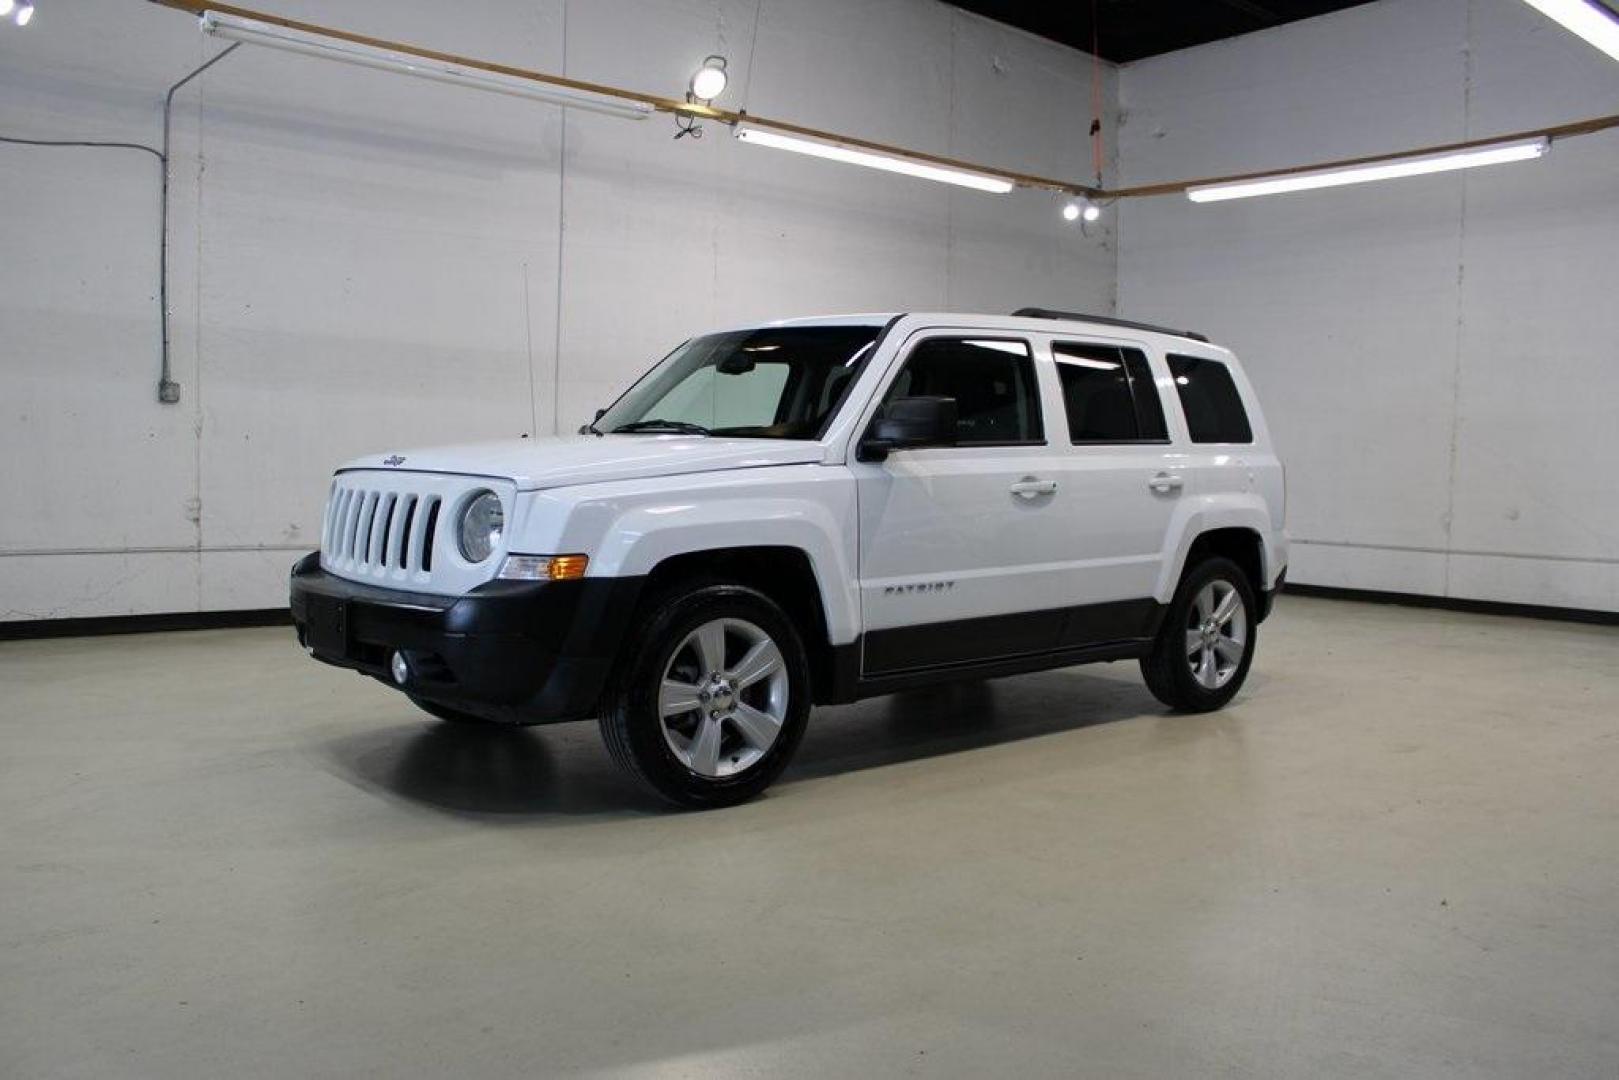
(1108, 394)
(783, 383)
(1209, 398)
(992, 382)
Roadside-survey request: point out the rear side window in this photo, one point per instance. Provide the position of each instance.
(992, 381)
(1108, 394)
(1209, 398)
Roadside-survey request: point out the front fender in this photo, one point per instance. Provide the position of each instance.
(629, 528)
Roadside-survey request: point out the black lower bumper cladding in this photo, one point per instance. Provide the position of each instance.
(514, 651)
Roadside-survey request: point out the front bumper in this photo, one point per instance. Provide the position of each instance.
(513, 651)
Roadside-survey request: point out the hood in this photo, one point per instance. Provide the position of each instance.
(559, 461)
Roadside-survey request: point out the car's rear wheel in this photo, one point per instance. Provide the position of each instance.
(712, 700)
(1204, 648)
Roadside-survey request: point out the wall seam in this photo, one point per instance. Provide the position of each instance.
(1461, 277)
(1113, 160)
(196, 340)
(1448, 551)
(528, 345)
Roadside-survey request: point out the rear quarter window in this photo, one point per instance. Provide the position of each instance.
(1209, 398)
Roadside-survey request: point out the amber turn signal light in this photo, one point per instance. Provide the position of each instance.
(544, 567)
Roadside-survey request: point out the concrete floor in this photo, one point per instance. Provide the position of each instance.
(1394, 855)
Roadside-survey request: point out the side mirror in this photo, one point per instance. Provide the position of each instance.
(909, 423)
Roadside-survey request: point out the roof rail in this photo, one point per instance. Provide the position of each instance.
(1105, 320)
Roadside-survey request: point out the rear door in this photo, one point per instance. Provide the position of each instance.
(1121, 480)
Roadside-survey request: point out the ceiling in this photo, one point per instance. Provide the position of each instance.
(1133, 29)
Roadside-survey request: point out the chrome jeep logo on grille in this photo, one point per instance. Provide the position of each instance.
(393, 459)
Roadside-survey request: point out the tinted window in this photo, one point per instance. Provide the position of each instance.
(1108, 394)
(1209, 398)
(775, 383)
(992, 382)
(1149, 406)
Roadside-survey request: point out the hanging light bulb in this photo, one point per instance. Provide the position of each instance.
(709, 81)
(25, 14)
(6, 6)
(1075, 209)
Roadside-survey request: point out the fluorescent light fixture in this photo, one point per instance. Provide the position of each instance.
(1415, 165)
(833, 151)
(1591, 21)
(254, 32)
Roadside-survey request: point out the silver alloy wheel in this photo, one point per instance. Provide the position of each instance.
(1216, 634)
(723, 698)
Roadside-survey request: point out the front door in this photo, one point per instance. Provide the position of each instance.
(962, 547)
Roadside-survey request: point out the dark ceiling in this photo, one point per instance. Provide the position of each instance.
(1131, 29)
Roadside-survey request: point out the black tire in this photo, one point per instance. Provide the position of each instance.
(1168, 669)
(444, 712)
(632, 724)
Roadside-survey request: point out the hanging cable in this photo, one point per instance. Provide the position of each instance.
(83, 142)
(1096, 93)
(753, 46)
(168, 391)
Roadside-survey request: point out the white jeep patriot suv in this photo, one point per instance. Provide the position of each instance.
(814, 511)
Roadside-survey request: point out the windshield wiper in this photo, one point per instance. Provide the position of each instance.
(678, 426)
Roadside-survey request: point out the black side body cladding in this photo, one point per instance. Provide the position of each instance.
(914, 656)
(998, 637)
(1267, 597)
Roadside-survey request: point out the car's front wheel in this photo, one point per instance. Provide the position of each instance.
(711, 701)
(1206, 644)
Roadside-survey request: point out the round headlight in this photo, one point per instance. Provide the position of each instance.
(481, 523)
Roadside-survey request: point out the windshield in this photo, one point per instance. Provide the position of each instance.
(782, 383)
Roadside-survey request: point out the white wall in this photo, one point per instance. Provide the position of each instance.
(361, 260)
(1439, 357)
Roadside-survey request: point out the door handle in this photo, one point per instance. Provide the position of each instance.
(1164, 483)
(1029, 487)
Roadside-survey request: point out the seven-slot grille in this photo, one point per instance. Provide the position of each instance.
(373, 530)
